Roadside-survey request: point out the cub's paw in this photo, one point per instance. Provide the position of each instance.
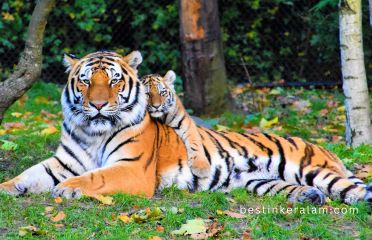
(200, 166)
(312, 195)
(62, 191)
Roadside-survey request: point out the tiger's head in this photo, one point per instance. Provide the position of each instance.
(160, 93)
(103, 92)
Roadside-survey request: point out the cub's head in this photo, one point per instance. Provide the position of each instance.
(103, 91)
(160, 93)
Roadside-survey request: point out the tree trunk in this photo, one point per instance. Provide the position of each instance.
(358, 118)
(29, 66)
(370, 12)
(204, 73)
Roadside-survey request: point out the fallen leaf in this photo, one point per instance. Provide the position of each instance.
(59, 225)
(221, 128)
(49, 130)
(30, 229)
(191, 227)
(323, 112)
(159, 228)
(106, 200)
(14, 125)
(234, 214)
(268, 123)
(341, 109)
(41, 100)
(155, 238)
(124, 218)
(246, 235)
(16, 114)
(58, 200)
(2, 132)
(59, 217)
(48, 209)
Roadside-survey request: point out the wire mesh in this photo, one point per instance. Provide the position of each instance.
(264, 41)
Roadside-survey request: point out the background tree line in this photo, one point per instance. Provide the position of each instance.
(293, 40)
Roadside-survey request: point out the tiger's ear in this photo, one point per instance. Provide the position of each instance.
(169, 78)
(69, 60)
(133, 59)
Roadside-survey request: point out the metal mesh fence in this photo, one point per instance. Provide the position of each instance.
(264, 41)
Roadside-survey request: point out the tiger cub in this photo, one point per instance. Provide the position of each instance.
(164, 104)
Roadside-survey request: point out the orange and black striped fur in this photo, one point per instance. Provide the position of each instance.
(110, 144)
(165, 106)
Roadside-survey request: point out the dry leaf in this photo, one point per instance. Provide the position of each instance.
(59, 225)
(246, 235)
(16, 114)
(59, 217)
(155, 238)
(124, 219)
(48, 209)
(30, 229)
(49, 130)
(160, 228)
(106, 200)
(58, 200)
(13, 125)
(234, 214)
(41, 100)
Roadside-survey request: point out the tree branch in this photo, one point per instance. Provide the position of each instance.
(29, 66)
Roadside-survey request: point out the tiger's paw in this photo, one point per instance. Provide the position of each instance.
(200, 166)
(312, 195)
(12, 188)
(67, 192)
(71, 188)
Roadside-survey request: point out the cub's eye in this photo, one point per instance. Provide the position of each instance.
(85, 81)
(117, 75)
(114, 81)
(163, 93)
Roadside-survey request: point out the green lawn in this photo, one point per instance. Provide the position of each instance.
(28, 135)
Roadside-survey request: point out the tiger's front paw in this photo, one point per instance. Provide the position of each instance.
(200, 166)
(71, 188)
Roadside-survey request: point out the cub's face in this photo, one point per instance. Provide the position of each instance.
(103, 90)
(160, 93)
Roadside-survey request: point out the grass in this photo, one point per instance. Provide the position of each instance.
(89, 219)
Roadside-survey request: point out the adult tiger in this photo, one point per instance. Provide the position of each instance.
(110, 144)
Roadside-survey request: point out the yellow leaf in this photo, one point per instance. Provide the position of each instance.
(221, 128)
(2, 132)
(49, 130)
(124, 218)
(268, 123)
(58, 200)
(41, 100)
(7, 16)
(59, 217)
(106, 200)
(16, 114)
(155, 238)
(341, 109)
(219, 212)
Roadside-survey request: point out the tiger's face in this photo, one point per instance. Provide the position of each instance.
(160, 93)
(103, 91)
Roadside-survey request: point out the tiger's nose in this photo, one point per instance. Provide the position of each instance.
(98, 104)
(156, 106)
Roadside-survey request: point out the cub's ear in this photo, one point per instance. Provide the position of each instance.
(69, 60)
(169, 78)
(133, 59)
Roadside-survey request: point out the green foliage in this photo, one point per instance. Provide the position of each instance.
(277, 39)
